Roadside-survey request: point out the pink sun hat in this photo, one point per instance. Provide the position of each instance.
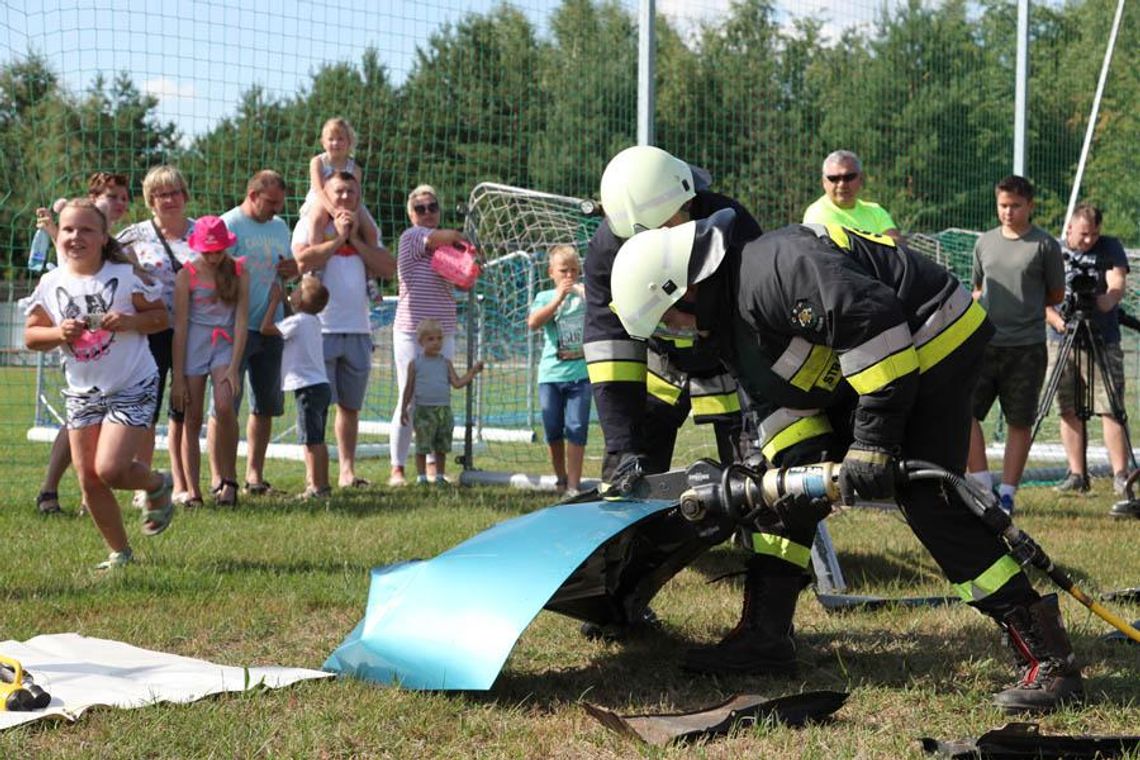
(210, 234)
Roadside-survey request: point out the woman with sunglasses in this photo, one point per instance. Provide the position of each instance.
(423, 295)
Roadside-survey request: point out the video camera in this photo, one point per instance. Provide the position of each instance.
(1082, 280)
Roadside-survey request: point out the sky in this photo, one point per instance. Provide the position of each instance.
(198, 56)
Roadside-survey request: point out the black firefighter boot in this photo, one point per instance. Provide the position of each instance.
(761, 643)
(1050, 676)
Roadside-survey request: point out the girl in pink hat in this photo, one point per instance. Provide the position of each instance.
(211, 309)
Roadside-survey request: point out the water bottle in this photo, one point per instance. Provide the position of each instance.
(37, 257)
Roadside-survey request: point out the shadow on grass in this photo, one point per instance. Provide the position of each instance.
(645, 672)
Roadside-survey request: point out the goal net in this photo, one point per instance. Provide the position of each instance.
(514, 229)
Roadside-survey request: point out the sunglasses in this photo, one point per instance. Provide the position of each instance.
(430, 208)
(835, 179)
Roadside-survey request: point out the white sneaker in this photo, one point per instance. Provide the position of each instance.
(116, 560)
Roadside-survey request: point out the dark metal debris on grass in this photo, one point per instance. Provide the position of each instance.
(1025, 740)
(740, 711)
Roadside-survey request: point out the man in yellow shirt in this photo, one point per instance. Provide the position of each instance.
(842, 180)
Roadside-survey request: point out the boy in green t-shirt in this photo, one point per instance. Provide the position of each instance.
(563, 383)
(1018, 271)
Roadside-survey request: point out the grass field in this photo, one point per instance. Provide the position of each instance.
(277, 583)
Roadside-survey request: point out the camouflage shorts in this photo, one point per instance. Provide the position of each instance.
(1013, 376)
(1072, 382)
(433, 426)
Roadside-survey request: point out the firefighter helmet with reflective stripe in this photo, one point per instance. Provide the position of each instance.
(643, 186)
(653, 269)
(650, 274)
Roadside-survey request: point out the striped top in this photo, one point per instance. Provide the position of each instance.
(423, 293)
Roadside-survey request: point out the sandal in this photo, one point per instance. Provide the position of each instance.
(47, 503)
(160, 507)
(314, 493)
(193, 503)
(359, 483)
(217, 491)
(257, 489)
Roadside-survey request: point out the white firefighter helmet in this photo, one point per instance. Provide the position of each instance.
(643, 186)
(650, 274)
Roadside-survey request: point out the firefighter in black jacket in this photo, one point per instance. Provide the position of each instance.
(805, 312)
(643, 391)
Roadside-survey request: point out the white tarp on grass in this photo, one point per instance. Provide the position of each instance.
(81, 672)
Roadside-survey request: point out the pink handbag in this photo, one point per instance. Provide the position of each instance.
(456, 264)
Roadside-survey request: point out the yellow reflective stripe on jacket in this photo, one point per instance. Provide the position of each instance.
(998, 574)
(616, 372)
(661, 388)
(942, 345)
(839, 235)
(785, 428)
(805, 365)
(880, 360)
(615, 361)
(678, 342)
(783, 548)
(718, 403)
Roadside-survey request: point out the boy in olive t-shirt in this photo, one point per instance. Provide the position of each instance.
(1018, 271)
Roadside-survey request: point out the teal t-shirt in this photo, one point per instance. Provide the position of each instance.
(562, 360)
(262, 245)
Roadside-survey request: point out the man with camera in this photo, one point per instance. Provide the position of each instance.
(1096, 268)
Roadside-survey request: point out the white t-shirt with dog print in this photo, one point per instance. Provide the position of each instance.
(98, 359)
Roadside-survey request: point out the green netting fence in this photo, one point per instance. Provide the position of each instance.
(537, 95)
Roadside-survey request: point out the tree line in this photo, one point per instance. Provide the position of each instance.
(924, 95)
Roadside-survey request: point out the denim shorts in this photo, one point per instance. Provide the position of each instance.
(565, 410)
(312, 413)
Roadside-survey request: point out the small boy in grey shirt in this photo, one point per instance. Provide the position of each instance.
(427, 399)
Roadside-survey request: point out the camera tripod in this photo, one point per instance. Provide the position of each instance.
(1083, 341)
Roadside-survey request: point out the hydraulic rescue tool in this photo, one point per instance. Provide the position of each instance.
(741, 494)
(18, 692)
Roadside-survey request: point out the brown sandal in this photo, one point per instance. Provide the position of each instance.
(217, 491)
(47, 503)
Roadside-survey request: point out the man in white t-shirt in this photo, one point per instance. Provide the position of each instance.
(345, 260)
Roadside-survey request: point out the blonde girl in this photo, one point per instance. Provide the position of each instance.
(99, 311)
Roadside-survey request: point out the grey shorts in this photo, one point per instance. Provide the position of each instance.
(312, 413)
(207, 348)
(348, 360)
(1012, 375)
(130, 407)
(1072, 381)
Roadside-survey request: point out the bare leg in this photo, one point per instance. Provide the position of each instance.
(97, 495)
(1071, 440)
(192, 427)
(558, 460)
(346, 427)
(421, 464)
(1017, 442)
(317, 465)
(1116, 443)
(440, 463)
(174, 447)
(574, 456)
(226, 433)
(58, 461)
(211, 449)
(257, 431)
(976, 461)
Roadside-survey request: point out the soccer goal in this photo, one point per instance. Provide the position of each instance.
(514, 228)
